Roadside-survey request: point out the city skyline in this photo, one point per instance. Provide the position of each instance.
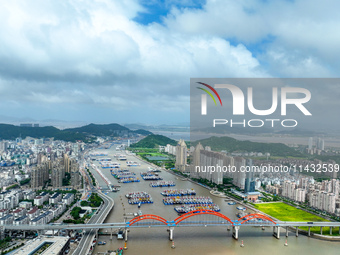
(209, 126)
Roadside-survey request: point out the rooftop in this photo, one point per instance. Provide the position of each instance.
(55, 195)
(33, 210)
(41, 216)
(21, 218)
(254, 193)
(6, 217)
(57, 243)
(68, 195)
(18, 210)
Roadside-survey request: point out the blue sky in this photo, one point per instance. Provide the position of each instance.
(131, 61)
(155, 11)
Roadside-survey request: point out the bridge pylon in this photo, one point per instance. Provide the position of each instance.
(276, 232)
(235, 232)
(126, 234)
(171, 233)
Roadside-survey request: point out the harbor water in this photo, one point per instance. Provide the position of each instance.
(193, 240)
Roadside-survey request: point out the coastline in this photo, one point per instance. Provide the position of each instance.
(250, 207)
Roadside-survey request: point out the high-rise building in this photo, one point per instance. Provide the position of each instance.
(196, 160)
(310, 143)
(239, 177)
(26, 125)
(249, 181)
(300, 195)
(181, 155)
(75, 175)
(40, 175)
(211, 163)
(320, 145)
(170, 149)
(335, 187)
(57, 177)
(3, 146)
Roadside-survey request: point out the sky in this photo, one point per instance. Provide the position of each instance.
(106, 61)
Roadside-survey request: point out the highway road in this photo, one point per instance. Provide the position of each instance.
(88, 236)
(87, 239)
(96, 224)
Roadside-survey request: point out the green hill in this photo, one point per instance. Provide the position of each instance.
(152, 141)
(142, 132)
(232, 145)
(10, 132)
(100, 130)
(85, 133)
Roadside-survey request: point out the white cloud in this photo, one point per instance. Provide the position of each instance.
(303, 30)
(55, 48)
(94, 53)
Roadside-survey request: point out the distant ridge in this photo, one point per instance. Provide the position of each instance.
(143, 132)
(152, 141)
(232, 145)
(10, 132)
(99, 129)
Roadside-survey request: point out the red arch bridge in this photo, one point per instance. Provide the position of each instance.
(198, 218)
(192, 219)
(201, 218)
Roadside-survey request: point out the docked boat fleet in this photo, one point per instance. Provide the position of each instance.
(178, 192)
(132, 163)
(150, 175)
(107, 163)
(124, 176)
(139, 197)
(120, 157)
(188, 201)
(189, 208)
(156, 184)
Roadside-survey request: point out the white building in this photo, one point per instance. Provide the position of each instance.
(55, 198)
(68, 198)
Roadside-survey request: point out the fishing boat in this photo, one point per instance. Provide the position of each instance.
(241, 208)
(115, 189)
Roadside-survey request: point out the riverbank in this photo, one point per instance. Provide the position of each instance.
(285, 212)
(253, 208)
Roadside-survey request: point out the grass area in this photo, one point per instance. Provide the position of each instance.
(284, 212)
(153, 154)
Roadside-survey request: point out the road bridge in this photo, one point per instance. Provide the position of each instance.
(198, 218)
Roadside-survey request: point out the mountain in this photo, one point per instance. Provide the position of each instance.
(142, 132)
(299, 132)
(100, 129)
(224, 129)
(232, 145)
(10, 132)
(152, 141)
(84, 133)
(138, 126)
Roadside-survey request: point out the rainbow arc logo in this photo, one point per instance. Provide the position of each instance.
(209, 93)
(204, 97)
